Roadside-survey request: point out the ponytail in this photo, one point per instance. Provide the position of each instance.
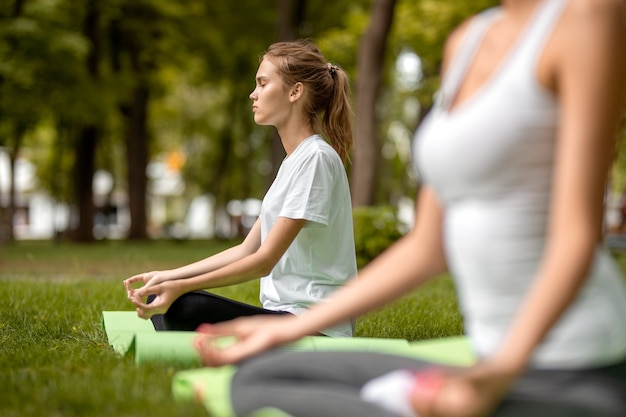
(337, 120)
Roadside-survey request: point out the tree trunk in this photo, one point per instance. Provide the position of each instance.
(290, 18)
(87, 140)
(84, 167)
(370, 65)
(136, 115)
(221, 163)
(7, 215)
(9, 232)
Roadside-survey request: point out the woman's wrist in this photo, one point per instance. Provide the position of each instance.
(295, 327)
(507, 365)
(166, 275)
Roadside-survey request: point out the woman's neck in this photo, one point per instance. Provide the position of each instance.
(517, 12)
(520, 6)
(292, 136)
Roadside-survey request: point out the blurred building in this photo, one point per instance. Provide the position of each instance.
(170, 214)
(37, 215)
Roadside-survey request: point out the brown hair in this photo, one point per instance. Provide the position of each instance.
(327, 86)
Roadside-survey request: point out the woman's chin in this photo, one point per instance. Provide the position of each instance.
(260, 120)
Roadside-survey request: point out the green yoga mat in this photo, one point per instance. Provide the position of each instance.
(211, 386)
(121, 328)
(130, 335)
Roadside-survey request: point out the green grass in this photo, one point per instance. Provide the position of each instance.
(54, 356)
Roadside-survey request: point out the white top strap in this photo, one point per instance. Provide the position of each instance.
(540, 29)
(466, 52)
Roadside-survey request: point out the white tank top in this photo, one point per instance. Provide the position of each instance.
(490, 162)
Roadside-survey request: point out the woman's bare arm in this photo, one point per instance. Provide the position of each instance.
(415, 258)
(249, 267)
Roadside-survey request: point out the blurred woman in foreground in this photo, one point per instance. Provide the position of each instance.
(514, 160)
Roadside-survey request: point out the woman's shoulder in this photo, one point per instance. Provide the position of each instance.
(320, 149)
(596, 6)
(453, 42)
(594, 12)
(586, 24)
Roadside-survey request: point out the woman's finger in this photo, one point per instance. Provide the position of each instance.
(213, 354)
(145, 291)
(129, 290)
(140, 304)
(133, 279)
(142, 313)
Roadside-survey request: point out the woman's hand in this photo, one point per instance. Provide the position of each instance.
(147, 278)
(473, 392)
(165, 294)
(253, 335)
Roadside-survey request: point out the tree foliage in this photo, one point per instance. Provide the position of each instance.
(163, 80)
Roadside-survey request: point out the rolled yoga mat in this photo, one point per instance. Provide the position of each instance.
(131, 335)
(121, 328)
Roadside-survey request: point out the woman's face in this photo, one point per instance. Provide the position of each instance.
(270, 98)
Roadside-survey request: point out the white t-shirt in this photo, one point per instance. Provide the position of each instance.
(311, 184)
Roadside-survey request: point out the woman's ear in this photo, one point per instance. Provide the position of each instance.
(296, 91)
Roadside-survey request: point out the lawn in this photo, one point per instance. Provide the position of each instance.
(55, 360)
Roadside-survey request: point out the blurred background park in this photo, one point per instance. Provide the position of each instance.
(128, 122)
(130, 119)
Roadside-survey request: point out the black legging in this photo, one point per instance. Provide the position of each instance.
(314, 384)
(195, 308)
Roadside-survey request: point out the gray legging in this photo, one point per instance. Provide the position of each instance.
(314, 384)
